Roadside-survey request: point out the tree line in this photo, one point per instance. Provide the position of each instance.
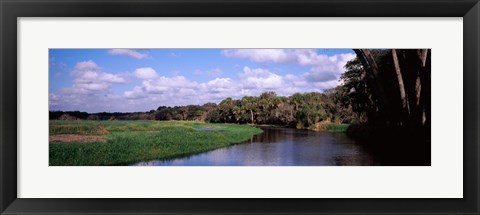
(300, 110)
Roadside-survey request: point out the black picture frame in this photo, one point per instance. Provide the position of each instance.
(10, 10)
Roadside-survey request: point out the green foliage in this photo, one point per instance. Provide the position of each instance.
(77, 127)
(335, 127)
(301, 110)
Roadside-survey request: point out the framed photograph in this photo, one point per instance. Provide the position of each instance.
(205, 107)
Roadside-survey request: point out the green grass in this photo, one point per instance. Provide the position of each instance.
(335, 127)
(134, 141)
(330, 127)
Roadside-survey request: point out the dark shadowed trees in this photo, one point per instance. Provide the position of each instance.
(398, 82)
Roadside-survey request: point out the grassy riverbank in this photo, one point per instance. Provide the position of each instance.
(330, 127)
(94, 143)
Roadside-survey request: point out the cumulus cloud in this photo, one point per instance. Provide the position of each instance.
(260, 79)
(323, 67)
(318, 74)
(88, 78)
(90, 83)
(303, 57)
(179, 90)
(296, 81)
(129, 53)
(136, 93)
(218, 85)
(259, 55)
(145, 73)
(330, 69)
(162, 86)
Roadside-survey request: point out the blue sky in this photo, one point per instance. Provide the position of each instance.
(127, 80)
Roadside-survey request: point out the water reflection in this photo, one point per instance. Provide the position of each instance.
(281, 147)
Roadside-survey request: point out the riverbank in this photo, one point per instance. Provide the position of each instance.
(321, 126)
(280, 146)
(97, 143)
(331, 127)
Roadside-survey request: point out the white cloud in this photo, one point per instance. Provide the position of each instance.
(326, 84)
(88, 87)
(88, 78)
(258, 55)
(296, 81)
(153, 88)
(162, 86)
(302, 57)
(145, 73)
(178, 90)
(330, 68)
(260, 79)
(112, 78)
(90, 83)
(175, 82)
(323, 67)
(136, 93)
(129, 53)
(219, 85)
(318, 74)
(83, 66)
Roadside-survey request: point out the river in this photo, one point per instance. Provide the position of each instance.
(281, 147)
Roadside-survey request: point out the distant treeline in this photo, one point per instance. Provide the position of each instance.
(77, 115)
(301, 110)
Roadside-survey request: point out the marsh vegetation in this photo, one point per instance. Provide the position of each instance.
(93, 143)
